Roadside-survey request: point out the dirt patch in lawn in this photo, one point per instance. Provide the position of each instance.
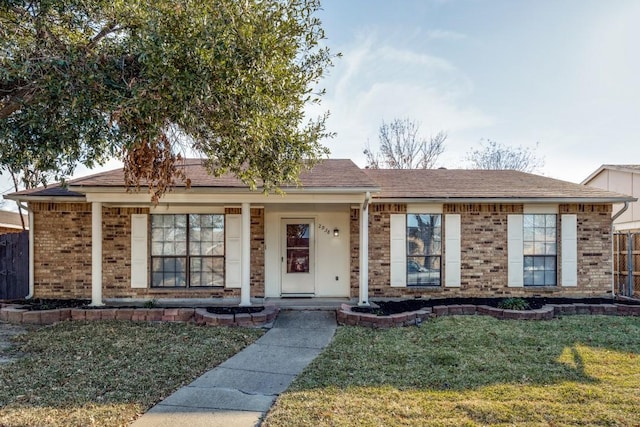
(7, 332)
(385, 308)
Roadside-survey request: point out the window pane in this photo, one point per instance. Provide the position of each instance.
(538, 248)
(550, 234)
(550, 221)
(549, 263)
(528, 221)
(550, 249)
(423, 271)
(528, 248)
(207, 271)
(297, 260)
(550, 278)
(528, 263)
(538, 220)
(538, 277)
(538, 263)
(156, 248)
(156, 234)
(423, 234)
(298, 235)
(528, 277)
(528, 234)
(168, 272)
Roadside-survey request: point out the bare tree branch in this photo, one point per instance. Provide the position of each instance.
(496, 156)
(402, 147)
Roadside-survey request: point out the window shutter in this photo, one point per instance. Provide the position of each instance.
(139, 250)
(569, 233)
(515, 257)
(398, 250)
(233, 251)
(452, 250)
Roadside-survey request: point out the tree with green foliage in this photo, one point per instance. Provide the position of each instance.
(83, 81)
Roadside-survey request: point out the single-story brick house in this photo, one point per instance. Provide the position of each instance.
(345, 232)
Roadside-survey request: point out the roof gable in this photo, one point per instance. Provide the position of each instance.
(620, 168)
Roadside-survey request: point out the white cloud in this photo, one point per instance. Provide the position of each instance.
(376, 80)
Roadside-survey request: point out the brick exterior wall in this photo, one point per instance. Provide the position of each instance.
(62, 245)
(62, 250)
(484, 253)
(62, 235)
(257, 252)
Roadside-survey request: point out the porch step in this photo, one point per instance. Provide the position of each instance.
(308, 303)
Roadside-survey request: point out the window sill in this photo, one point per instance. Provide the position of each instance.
(182, 288)
(541, 288)
(433, 288)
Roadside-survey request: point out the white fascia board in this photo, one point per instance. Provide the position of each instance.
(593, 175)
(231, 190)
(224, 199)
(56, 199)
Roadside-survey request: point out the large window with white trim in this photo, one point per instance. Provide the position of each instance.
(187, 250)
(424, 249)
(540, 249)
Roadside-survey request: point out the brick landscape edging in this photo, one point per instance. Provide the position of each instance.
(18, 314)
(346, 316)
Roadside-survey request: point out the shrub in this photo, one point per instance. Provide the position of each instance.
(513, 304)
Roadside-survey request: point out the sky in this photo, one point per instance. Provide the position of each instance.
(561, 77)
(562, 74)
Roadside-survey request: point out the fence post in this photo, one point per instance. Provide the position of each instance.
(630, 264)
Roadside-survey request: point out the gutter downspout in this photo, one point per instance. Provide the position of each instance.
(613, 275)
(31, 247)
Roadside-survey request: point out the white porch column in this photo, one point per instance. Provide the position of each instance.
(96, 254)
(245, 285)
(363, 298)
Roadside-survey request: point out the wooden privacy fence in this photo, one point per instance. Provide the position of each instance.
(14, 265)
(626, 263)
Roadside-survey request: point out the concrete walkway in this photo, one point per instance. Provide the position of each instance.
(241, 390)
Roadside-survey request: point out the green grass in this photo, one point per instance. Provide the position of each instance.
(106, 373)
(473, 371)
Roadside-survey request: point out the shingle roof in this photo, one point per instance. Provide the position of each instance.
(489, 184)
(330, 173)
(343, 174)
(12, 219)
(53, 190)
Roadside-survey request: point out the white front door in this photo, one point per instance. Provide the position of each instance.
(298, 256)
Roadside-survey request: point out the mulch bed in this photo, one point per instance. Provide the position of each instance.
(235, 310)
(386, 308)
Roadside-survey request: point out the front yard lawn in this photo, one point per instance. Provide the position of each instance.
(105, 373)
(472, 371)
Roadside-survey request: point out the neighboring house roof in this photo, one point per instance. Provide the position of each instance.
(447, 184)
(621, 168)
(10, 219)
(342, 175)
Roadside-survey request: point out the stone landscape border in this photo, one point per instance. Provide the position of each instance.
(14, 313)
(346, 316)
